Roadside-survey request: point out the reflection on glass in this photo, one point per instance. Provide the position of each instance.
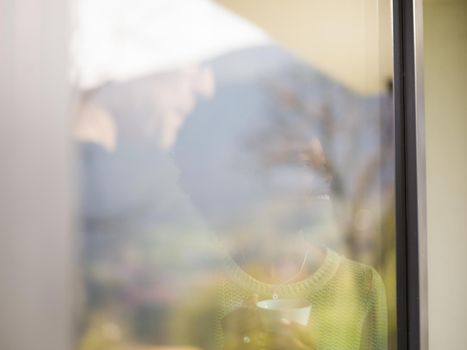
(233, 194)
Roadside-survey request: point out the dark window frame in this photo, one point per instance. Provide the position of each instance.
(410, 176)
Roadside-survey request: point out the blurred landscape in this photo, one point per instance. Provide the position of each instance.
(147, 252)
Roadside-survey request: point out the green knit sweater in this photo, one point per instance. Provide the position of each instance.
(349, 310)
(348, 299)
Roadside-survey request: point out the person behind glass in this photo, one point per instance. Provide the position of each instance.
(266, 207)
(266, 203)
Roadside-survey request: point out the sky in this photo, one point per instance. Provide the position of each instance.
(117, 40)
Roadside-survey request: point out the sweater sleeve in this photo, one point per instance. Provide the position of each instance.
(375, 327)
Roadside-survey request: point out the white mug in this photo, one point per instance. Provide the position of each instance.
(273, 311)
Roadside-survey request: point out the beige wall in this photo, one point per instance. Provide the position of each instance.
(349, 40)
(446, 132)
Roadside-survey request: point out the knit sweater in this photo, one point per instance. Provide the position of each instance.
(348, 299)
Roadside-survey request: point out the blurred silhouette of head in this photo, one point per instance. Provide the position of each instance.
(245, 177)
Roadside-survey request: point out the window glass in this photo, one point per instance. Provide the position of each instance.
(235, 171)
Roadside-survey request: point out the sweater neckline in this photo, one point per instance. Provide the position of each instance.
(307, 285)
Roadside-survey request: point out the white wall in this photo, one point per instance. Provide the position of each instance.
(35, 239)
(446, 142)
